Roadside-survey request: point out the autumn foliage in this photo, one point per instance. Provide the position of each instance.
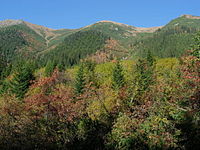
(148, 104)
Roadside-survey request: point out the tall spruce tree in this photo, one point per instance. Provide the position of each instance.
(196, 46)
(50, 66)
(91, 75)
(118, 76)
(144, 75)
(80, 80)
(21, 80)
(61, 67)
(150, 59)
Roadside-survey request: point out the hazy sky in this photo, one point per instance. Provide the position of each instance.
(78, 13)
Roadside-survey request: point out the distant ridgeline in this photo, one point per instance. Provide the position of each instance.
(20, 39)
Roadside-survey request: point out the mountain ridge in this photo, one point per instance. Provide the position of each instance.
(9, 22)
(123, 39)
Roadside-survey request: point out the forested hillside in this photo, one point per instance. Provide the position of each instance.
(93, 88)
(41, 43)
(75, 47)
(170, 41)
(19, 39)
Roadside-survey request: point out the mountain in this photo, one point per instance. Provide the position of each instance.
(117, 104)
(171, 40)
(101, 41)
(22, 38)
(113, 40)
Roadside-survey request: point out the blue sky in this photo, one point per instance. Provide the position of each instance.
(78, 13)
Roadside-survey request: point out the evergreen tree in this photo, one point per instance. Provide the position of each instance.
(196, 46)
(144, 77)
(6, 71)
(1, 64)
(49, 68)
(61, 67)
(90, 71)
(144, 74)
(150, 58)
(21, 81)
(4, 87)
(80, 80)
(118, 76)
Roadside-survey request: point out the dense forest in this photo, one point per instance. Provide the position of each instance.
(148, 103)
(107, 86)
(75, 47)
(167, 42)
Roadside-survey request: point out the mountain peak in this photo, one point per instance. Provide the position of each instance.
(190, 16)
(108, 21)
(10, 22)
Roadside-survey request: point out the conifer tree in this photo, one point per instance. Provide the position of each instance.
(90, 71)
(1, 64)
(144, 77)
(61, 67)
(118, 76)
(196, 46)
(21, 81)
(49, 68)
(150, 59)
(80, 80)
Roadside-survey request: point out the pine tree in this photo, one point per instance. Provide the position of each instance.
(144, 75)
(49, 68)
(118, 76)
(21, 81)
(80, 80)
(61, 67)
(150, 59)
(90, 71)
(196, 46)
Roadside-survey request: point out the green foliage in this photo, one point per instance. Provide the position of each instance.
(80, 82)
(196, 46)
(124, 134)
(61, 67)
(170, 41)
(115, 31)
(144, 77)
(154, 103)
(11, 40)
(118, 76)
(21, 80)
(49, 68)
(75, 47)
(160, 128)
(17, 41)
(60, 118)
(91, 77)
